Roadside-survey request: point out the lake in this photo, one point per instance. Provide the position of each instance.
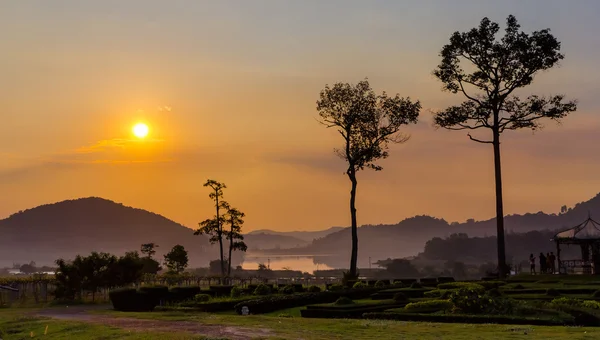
(304, 263)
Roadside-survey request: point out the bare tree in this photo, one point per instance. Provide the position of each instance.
(214, 226)
(497, 69)
(367, 123)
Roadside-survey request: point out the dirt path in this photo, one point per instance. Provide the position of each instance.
(80, 313)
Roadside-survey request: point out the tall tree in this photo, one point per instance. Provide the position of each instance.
(495, 70)
(214, 226)
(148, 249)
(234, 218)
(367, 123)
(177, 259)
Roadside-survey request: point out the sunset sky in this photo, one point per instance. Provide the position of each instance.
(228, 89)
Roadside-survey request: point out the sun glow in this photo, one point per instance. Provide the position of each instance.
(140, 130)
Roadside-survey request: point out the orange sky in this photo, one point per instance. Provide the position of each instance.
(229, 94)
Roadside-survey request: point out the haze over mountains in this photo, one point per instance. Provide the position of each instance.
(72, 227)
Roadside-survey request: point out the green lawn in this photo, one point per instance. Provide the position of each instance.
(16, 324)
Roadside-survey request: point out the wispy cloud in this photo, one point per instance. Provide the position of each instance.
(115, 143)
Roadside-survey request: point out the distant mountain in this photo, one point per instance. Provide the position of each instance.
(307, 236)
(408, 237)
(256, 241)
(72, 227)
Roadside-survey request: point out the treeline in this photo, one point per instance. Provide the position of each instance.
(461, 247)
(98, 271)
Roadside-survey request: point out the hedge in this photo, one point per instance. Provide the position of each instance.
(573, 291)
(132, 300)
(445, 279)
(273, 303)
(429, 281)
(458, 285)
(177, 294)
(430, 306)
(409, 292)
(159, 293)
(353, 312)
(472, 319)
(214, 306)
(221, 290)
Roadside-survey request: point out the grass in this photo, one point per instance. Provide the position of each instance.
(16, 324)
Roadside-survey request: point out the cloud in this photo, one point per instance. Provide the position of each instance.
(115, 143)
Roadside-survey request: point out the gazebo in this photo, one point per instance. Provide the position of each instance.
(587, 236)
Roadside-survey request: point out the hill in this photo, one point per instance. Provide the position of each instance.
(306, 236)
(408, 237)
(72, 227)
(257, 241)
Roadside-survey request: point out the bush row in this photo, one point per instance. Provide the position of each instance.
(355, 312)
(473, 319)
(272, 303)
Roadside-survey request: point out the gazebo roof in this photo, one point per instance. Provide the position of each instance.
(588, 230)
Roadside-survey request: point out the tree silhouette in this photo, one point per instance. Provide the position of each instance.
(498, 69)
(148, 249)
(177, 259)
(214, 226)
(367, 123)
(234, 218)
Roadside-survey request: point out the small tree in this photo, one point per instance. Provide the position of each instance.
(235, 220)
(367, 123)
(148, 249)
(177, 259)
(499, 68)
(214, 226)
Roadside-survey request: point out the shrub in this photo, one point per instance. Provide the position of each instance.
(399, 297)
(488, 285)
(177, 294)
(439, 293)
(314, 289)
(519, 286)
(348, 279)
(470, 301)
(398, 284)
(596, 294)
(379, 284)
(288, 289)
(335, 287)
(359, 285)
(458, 285)
(430, 306)
(494, 292)
(416, 285)
(552, 292)
(343, 301)
(262, 289)
(474, 319)
(236, 292)
(444, 279)
(221, 290)
(202, 298)
(157, 292)
(131, 300)
(273, 303)
(590, 304)
(211, 306)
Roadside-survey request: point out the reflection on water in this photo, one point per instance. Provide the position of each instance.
(304, 263)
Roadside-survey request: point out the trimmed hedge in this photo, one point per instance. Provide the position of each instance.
(352, 312)
(472, 319)
(221, 290)
(213, 306)
(132, 300)
(177, 294)
(157, 292)
(430, 306)
(429, 281)
(273, 303)
(445, 279)
(574, 291)
(409, 292)
(458, 285)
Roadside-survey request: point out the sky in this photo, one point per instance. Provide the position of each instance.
(229, 90)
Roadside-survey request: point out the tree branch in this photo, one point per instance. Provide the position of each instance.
(478, 140)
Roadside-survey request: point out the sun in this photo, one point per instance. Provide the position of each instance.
(140, 130)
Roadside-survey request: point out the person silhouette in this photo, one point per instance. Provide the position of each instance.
(532, 264)
(542, 263)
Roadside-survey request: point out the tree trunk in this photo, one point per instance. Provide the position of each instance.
(220, 234)
(499, 205)
(230, 250)
(354, 256)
